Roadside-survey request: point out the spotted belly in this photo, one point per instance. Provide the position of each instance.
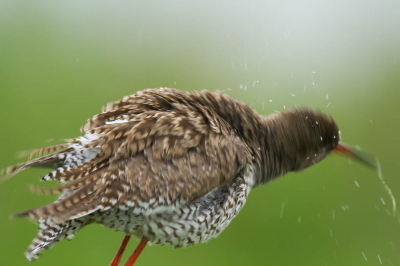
(197, 222)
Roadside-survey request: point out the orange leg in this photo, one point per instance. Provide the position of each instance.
(117, 258)
(136, 253)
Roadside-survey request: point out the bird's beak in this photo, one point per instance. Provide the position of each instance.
(363, 156)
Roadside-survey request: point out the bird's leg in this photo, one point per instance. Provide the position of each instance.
(137, 252)
(117, 258)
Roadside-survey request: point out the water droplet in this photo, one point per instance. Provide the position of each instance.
(365, 257)
(383, 202)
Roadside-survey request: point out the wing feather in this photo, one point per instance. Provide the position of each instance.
(164, 149)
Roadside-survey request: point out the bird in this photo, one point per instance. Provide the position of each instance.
(171, 167)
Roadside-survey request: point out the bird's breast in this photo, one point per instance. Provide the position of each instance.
(201, 220)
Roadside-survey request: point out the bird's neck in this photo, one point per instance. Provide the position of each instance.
(276, 154)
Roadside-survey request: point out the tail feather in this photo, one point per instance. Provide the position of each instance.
(75, 184)
(68, 173)
(50, 160)
(49, 234)
(82, 200)
(47, 150)
(78, 166)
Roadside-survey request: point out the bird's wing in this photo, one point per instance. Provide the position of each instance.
(153, 159)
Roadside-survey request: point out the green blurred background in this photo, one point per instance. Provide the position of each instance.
(60, 61)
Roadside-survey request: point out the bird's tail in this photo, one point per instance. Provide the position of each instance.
(49, 234)
(50, 160)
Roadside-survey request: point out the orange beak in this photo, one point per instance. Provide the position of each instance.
(362, 156)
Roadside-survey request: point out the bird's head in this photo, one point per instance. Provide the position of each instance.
(302, 137)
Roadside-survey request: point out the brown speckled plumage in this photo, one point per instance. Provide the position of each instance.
(170, 166)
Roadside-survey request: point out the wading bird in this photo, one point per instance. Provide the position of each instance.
(171, 168)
